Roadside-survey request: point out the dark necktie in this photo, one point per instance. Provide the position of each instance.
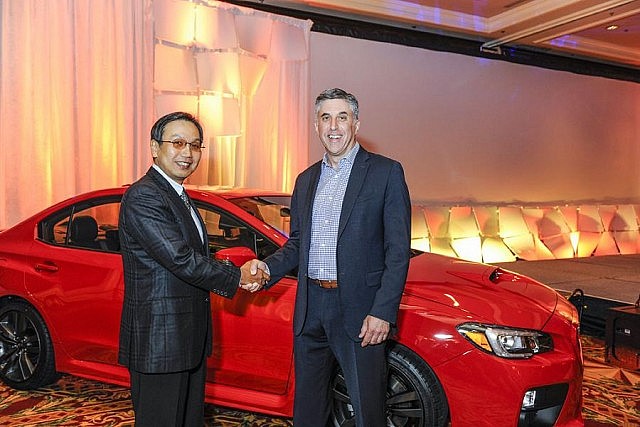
(185, 199)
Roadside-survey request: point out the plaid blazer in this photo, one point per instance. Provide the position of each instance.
(168, 274)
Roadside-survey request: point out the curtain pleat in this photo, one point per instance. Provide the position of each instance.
(83, 81)
(75, 99)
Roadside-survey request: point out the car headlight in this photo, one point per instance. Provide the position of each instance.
(510, 343)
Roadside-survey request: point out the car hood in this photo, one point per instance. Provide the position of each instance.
(481, 292)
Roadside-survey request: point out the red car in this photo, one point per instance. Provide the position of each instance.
(476, 345)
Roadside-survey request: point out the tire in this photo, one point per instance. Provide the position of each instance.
(26, 352)
(415, 397)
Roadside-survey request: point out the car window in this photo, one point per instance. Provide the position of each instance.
(226, 231)
(94, 225)
(274, 210)
(89, 227)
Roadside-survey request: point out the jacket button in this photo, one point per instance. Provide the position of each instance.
(206, 299)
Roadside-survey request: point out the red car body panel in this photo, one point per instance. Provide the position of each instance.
(79, 294)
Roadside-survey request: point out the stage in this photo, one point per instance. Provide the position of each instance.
(612, 277)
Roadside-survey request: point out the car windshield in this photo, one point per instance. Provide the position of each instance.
(274, 210)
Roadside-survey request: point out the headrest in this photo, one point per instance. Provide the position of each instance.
(84, 228)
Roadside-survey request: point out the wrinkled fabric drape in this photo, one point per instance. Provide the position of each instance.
(75, 99)
(77, 95)
(244, 74)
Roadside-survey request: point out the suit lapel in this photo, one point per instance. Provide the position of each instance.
(205, 236)
(192, 237)
(306, 207)
(356, 180)
(311, 193)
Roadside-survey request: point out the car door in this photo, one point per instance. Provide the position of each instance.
(77, 277)
(253, 333)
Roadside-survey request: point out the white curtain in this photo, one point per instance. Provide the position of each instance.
(82, 82)
(75, 99)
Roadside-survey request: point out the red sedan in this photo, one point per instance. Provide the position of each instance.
(476, 345)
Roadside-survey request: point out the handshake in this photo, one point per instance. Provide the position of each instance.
(254, 275)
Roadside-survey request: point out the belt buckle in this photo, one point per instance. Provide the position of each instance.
(325, 284)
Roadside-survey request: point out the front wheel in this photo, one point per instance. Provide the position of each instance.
(26, 351)
(414, 395)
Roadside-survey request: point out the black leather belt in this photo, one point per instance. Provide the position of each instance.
(325, 284)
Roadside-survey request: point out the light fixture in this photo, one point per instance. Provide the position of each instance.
(554, 23)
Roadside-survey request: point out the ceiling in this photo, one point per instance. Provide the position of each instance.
(605, 31)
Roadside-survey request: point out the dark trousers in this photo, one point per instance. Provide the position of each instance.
(171, 400)
(324, 341)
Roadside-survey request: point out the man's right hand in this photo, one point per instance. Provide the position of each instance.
(253, 275)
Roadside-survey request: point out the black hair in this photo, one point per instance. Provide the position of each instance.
(158, 127)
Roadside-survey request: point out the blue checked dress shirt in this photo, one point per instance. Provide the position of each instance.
(327, 207)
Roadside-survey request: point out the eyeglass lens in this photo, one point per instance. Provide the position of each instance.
(179, 144)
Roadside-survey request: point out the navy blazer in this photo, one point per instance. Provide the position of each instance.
(374, 240)
(168, 274)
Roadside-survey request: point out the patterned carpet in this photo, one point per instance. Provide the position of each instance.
(611, 391)
(79, 402)
(611, 398)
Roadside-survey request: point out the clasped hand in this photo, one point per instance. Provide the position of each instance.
(253, 275)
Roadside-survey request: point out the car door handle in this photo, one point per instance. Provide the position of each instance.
(50, 267)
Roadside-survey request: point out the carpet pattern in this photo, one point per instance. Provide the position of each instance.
(611, 391)
(611, 398)
(79, 402)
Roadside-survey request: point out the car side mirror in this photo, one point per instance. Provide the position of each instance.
(237, 255)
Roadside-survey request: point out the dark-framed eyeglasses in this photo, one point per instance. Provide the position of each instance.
(180, 143)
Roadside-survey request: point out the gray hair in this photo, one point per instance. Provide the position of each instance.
(337, 93)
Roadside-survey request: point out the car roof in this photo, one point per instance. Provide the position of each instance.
(226, 193)
(221, 191)
(235, 192)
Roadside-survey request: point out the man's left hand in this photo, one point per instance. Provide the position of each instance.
(374, 331)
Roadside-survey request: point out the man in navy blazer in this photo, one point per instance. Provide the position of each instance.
(350, 239)
(165, 332)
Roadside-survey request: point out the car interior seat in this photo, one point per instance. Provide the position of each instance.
(112, 239)
(84, 232)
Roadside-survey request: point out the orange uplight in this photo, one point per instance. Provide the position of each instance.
(503, 234)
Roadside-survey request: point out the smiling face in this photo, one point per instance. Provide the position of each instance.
(337, 128)
(177, 164)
